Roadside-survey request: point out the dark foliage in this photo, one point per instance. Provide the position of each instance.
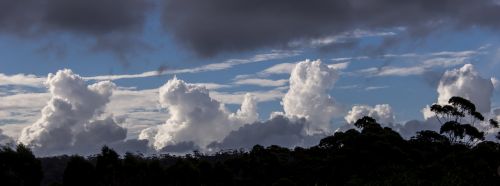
(19, 167)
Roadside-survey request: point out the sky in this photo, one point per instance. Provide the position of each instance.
(179, 75)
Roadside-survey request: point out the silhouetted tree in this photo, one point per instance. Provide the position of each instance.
(79, 172)
(19, 167)
(451, 117)
(108, 167)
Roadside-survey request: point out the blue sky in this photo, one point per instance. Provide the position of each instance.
(399, 62)
(25, 57)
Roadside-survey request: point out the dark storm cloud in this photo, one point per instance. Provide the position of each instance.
(98, 19)
(94, 17)
(213, 26)
(97, 16)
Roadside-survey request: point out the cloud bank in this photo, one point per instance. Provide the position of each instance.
(278, 130)
(198, 121)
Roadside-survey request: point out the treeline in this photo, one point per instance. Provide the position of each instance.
(368, 155)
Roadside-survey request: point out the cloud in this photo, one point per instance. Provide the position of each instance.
(261, 82)
(279, 130)
(195, 116)
(464, 82)
(213, 86)
(238, 97)
(382, 113)
(21, 79)
(467, 83)
(21, 109)
(369, 88)
(70, 122)
(339, 66)
(103, 21)
(426, 62)
(308, 96)
(247, 25)
(282, 68)
(341, 38)
(410, 128)
(275, 54)
(4, 139)
(496, 83)
(181, 147)
(137, 109)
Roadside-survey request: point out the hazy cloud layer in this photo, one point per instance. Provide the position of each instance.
(213, 26)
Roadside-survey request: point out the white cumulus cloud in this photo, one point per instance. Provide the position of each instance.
(308, 96)
(195, 116)
(467, 83)
(73, 121)
(382, 113)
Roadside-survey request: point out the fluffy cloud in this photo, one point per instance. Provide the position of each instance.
(308, 96)
(466, 82)
(70, 120)
(382, 113)
(195, 116)
(307, 105)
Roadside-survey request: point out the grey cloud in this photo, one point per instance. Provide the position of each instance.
(82, 16)
(407, 129)
(410, 128)
(181, 147)
(276, 131)
(5, 140)
(97, 19)
(131, 145)
(96, 16)
(214, 26)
